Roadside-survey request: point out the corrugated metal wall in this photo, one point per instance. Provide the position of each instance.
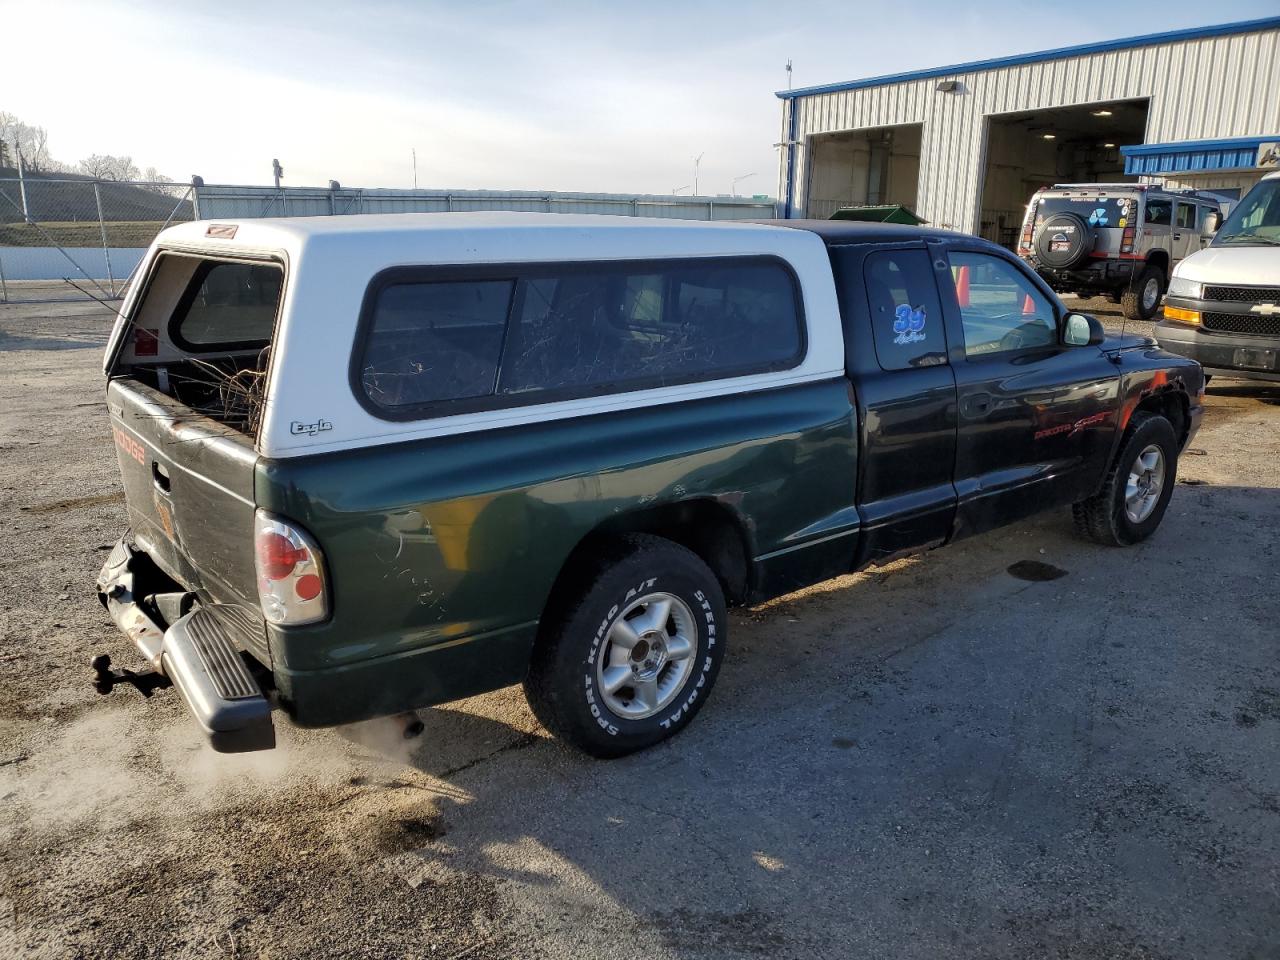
(227, 202)
(1215, 87)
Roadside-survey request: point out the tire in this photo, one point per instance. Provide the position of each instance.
(583, 646)
(1106, 517)
(1136, 302)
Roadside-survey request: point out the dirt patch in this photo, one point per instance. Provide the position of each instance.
(76, 503)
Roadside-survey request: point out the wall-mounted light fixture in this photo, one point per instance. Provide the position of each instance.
(948, 86)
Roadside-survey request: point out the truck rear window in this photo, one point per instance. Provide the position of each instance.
(227, 305)
(1096, 211)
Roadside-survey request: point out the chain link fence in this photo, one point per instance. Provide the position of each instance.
(76, 237)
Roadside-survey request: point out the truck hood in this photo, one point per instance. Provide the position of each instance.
(1129, 341)
(1247, 266)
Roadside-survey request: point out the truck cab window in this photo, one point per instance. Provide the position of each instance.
(906, 319)
(1000, 309)
(1187, 215)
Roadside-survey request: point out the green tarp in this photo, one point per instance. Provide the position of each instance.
(889, 213)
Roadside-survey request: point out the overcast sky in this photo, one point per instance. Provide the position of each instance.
(614, 97)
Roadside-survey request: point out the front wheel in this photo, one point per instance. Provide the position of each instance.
(630, 648)
(1137, 488)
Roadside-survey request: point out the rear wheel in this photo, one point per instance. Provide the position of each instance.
(1142, 299)
(1137, 488)
(630, 648)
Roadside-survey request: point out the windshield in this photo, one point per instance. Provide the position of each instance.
(1096, 211)
(1256, 219)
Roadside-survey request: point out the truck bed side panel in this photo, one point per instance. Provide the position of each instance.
(454, 543)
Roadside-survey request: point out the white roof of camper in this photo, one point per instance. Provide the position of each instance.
(330, 262)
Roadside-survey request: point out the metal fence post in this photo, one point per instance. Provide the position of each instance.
(4, 290)
(22, 190)
(102, 226)
(196, 184)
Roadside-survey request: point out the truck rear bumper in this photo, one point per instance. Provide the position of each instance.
(199, 652)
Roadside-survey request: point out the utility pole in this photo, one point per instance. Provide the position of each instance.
(415, 168)
(696, 162)
(788, 74)
(277, 171)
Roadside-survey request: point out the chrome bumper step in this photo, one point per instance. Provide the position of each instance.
(199, 653)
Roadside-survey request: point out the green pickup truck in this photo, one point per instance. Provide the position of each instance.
(378, 463)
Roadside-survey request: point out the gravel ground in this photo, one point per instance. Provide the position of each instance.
(931, 759)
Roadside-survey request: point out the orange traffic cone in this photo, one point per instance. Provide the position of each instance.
(962, 286)
(1028, 306)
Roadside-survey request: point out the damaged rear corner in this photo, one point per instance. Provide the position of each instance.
(196, 648)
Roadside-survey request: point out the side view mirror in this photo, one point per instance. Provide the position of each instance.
(1212, 221)
(1079, 330)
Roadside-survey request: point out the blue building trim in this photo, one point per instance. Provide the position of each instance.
(1060, 53)
(1193, 156)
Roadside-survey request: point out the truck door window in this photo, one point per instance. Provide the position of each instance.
(906, 318)
(1159, 213)
(1187, 215)
(430, 342)
(1000, 309)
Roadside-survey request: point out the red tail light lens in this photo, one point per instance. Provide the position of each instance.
(1126, 240)
(292, 588)
(277, 556)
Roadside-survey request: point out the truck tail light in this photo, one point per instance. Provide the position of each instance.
(292, 588)
(1126, 240)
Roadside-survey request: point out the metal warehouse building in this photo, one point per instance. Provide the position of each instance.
(965, 146)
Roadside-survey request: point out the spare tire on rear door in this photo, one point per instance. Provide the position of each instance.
(1064, 241)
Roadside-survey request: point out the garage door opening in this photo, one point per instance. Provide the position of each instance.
(1027, 151)
(856, 168)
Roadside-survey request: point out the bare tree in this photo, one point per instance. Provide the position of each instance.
(104, 166)
(32, 143)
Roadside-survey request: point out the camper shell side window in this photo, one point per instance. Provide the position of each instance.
(437, 341)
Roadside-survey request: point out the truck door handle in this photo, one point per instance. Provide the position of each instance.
(1177, 236)
(976, 405)
(160, 476)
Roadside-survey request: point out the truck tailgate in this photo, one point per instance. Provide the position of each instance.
(189, 487)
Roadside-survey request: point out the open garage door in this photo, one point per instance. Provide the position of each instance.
(880, 165)
(1027, 151)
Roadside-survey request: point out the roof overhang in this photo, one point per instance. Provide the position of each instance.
(1202, 156)
(1061, 53)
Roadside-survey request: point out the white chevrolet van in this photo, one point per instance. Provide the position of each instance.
(1223, 303)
